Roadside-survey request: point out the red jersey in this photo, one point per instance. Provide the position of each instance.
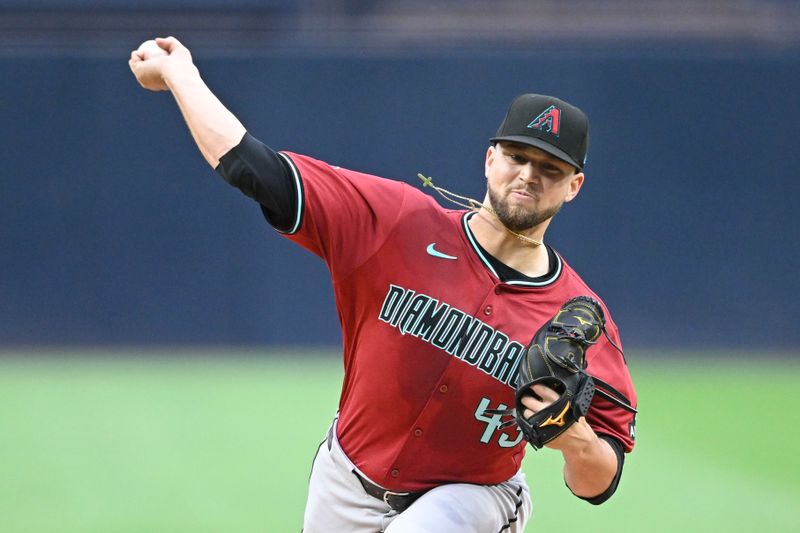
(432, 338)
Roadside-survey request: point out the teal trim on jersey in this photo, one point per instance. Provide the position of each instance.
(300, 198)
(474, 243)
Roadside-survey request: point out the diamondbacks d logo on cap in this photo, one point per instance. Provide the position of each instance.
(548, 121)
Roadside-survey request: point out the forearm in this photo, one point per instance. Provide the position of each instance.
(590, 463)
(214, 128)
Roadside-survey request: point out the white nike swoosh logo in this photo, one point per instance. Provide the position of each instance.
(435, 253)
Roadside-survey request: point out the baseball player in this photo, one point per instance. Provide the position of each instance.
(436, 306)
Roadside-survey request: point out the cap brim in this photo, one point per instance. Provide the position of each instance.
(541, 145)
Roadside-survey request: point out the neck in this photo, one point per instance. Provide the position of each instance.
(507, 247)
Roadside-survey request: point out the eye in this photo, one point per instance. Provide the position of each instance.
(517, 158)
(551, 169)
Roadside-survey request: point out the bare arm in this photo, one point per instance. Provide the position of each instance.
(590, 463)
(215, 129)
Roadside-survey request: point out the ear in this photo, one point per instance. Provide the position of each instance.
(575, 184)
(491, 152)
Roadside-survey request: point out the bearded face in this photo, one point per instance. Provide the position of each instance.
(518, 218)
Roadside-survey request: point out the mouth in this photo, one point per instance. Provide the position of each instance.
(523, 194)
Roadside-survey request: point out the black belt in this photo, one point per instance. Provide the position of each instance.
(398, 501)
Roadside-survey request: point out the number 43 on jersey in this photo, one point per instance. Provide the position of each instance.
(493, 424)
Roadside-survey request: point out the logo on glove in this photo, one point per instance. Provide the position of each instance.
(557, 421)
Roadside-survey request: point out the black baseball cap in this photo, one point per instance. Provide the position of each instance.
(548, 123)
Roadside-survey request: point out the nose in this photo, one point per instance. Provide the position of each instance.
(528, 173)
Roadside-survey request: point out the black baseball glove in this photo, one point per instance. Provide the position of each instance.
(556, 357)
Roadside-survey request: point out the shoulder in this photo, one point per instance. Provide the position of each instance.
(335, 197)
(573, 280)
(574, 285)
(317, 172)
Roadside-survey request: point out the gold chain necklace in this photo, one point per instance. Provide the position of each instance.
(474, 205)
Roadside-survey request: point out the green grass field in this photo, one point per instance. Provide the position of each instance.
(196, 442)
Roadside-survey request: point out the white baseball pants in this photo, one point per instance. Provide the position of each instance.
(337, 503)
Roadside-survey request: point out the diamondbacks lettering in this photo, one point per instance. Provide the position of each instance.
(454, 331)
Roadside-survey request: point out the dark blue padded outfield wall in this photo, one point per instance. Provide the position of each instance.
(114, 231)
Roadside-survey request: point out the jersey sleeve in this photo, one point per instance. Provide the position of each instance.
(608, 364)
(343, 216)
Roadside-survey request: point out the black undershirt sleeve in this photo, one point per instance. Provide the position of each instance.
(616, 445)
(259, 172)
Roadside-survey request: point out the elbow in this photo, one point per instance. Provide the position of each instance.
(593, 495)
(600, 498)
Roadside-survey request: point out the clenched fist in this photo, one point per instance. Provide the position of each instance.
(156, 59)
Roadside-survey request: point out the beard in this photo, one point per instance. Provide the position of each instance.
(519, 219)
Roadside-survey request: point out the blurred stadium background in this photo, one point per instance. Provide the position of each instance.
(168, 363)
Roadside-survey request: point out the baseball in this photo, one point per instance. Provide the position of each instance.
(150, 49)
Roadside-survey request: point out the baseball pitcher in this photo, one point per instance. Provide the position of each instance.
(466, 336)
